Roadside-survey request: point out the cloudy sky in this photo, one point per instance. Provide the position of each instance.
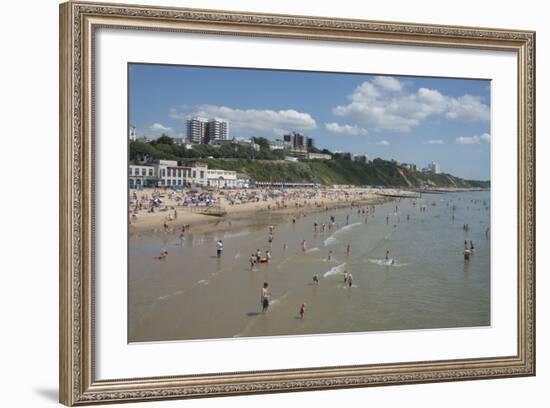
(411, 119)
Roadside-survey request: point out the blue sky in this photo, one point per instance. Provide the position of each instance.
(411, 119)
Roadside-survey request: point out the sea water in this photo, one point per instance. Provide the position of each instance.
(423, 283)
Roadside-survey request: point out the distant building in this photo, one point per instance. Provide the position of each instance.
(247, 143)
(319, 156)
(196, 130)
(363, 158)
(298, 141)
(141, 176)
(169, 174)
(221, 178)
(216, 130)
(243, 180)
(347, 156)
(434, 168)
(132, 133)
(279, 145)
(199, 174)
(409, 166)
(179, 141)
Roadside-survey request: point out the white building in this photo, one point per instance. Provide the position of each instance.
(132, 133)
(222, 178)
(248, 143)
(141, 176)
(199, 174)
(196, 130)
(319, 156)
(169, 174)
(279, 145)
(216, 130)
(434, 168)
(243, 180)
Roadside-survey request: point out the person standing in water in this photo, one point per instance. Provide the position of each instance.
(304, 245)
(219, 248)
(350, 280)
(387, 255)
(302, 310)
(252, 261)
(348, 250)
(329, 255)
(264, 297)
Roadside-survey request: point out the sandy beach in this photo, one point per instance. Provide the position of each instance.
(238, 205)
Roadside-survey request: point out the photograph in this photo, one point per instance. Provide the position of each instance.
(267, 202)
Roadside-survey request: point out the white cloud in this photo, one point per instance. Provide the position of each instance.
(346, 129)
(484, 138)
(435, 142)
(160, 128)
(255, 119)
(468, 107)
(388, 83)
(384, 104)
(383, 143)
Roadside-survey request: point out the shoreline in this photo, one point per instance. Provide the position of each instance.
(239, 213)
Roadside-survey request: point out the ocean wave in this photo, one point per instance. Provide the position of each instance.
(337, 270)
(312, 250)
(387, 262)
(333, 238)
(178, 292)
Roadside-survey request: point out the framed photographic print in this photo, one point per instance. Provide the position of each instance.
(256, 203)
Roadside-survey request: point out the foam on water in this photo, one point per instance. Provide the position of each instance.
(387, 262)
(333, 238)
(337, 270)
(312, 250)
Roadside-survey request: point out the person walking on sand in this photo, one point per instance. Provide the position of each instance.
(264, 297)
(302, 310)
(219, 248)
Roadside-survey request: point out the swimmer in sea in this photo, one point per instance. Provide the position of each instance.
(162, 255)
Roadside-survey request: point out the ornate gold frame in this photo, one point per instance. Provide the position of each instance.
(78, 22)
